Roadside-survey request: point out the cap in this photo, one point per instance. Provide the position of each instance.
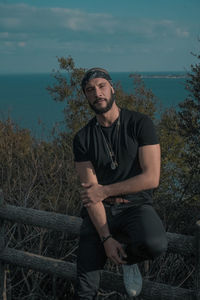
(95, 73)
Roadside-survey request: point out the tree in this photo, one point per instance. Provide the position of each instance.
(189, 128)
(67, 88)
(179, 192)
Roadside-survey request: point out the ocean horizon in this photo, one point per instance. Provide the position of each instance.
(24, 98)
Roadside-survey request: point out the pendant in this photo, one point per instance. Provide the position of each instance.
(113, 165)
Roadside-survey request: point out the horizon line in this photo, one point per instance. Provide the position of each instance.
(51, 72)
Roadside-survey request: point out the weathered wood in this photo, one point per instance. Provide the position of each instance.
(109, 280)
(41, 218)
(197, 264)
(178, 243)
(39, 263)
(150, 290)
(158, 291)
(186, 245)
(2, 243)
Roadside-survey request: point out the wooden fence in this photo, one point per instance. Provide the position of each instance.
(185, 245)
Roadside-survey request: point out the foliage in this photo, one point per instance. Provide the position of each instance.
(142, 100)
(67, 88)
(180, 143)
(189, 128)
(177, 213)
(36, 174)
(39, 175)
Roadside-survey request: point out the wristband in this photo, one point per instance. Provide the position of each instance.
(103, 239)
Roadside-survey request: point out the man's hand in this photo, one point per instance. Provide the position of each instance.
(115, 251)
(92, 193)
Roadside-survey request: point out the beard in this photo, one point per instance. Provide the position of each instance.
(103, 110)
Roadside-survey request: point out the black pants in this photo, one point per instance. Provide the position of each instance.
(146, 240)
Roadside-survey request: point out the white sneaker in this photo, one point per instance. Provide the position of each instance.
(132, 279)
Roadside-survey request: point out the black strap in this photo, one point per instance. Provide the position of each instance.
(103, 239)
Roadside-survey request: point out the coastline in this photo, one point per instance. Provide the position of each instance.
(170, 76)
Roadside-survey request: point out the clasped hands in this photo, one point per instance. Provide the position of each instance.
(92, 193)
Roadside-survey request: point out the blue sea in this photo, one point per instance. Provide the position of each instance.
(25, 100)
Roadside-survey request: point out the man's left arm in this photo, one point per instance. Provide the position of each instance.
(149, 158)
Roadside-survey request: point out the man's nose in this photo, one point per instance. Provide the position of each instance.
(98, 92)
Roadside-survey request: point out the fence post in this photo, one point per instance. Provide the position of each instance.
(2, 266)
(197, 263)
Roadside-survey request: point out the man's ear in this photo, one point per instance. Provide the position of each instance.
(112, 89)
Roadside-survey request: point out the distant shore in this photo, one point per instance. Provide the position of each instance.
(169, 76)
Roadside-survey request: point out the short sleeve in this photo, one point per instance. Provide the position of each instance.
(146, 132)
(79, 149)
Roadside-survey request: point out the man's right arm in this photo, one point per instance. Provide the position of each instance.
(97, 212)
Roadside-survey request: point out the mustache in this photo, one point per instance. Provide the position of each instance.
(98, 99)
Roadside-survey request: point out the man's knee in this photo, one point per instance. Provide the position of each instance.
(156, 246)
(148, 249)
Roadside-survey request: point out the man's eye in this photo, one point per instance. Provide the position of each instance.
(89, 90)
(102, 86)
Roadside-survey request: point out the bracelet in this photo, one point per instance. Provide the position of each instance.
(103, 239)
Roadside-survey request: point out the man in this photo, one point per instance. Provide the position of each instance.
(117, 158)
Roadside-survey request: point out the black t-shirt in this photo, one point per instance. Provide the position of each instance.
(135, 130)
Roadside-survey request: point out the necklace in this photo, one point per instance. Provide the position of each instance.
(113, 157)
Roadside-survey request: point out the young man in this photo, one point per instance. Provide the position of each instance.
(117, 157)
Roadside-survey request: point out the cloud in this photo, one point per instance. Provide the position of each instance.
(182, 33)
(10, 23)
(31, 19)
(22, 44)
(4, 35)
(56, 21)
(53, 31)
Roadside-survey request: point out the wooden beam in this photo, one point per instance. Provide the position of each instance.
(40, 218)
(178, 243)
(39, 263)
(109, 280)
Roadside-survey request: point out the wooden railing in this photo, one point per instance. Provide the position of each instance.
(185, 245)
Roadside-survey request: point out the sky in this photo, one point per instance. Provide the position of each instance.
(121, 36)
